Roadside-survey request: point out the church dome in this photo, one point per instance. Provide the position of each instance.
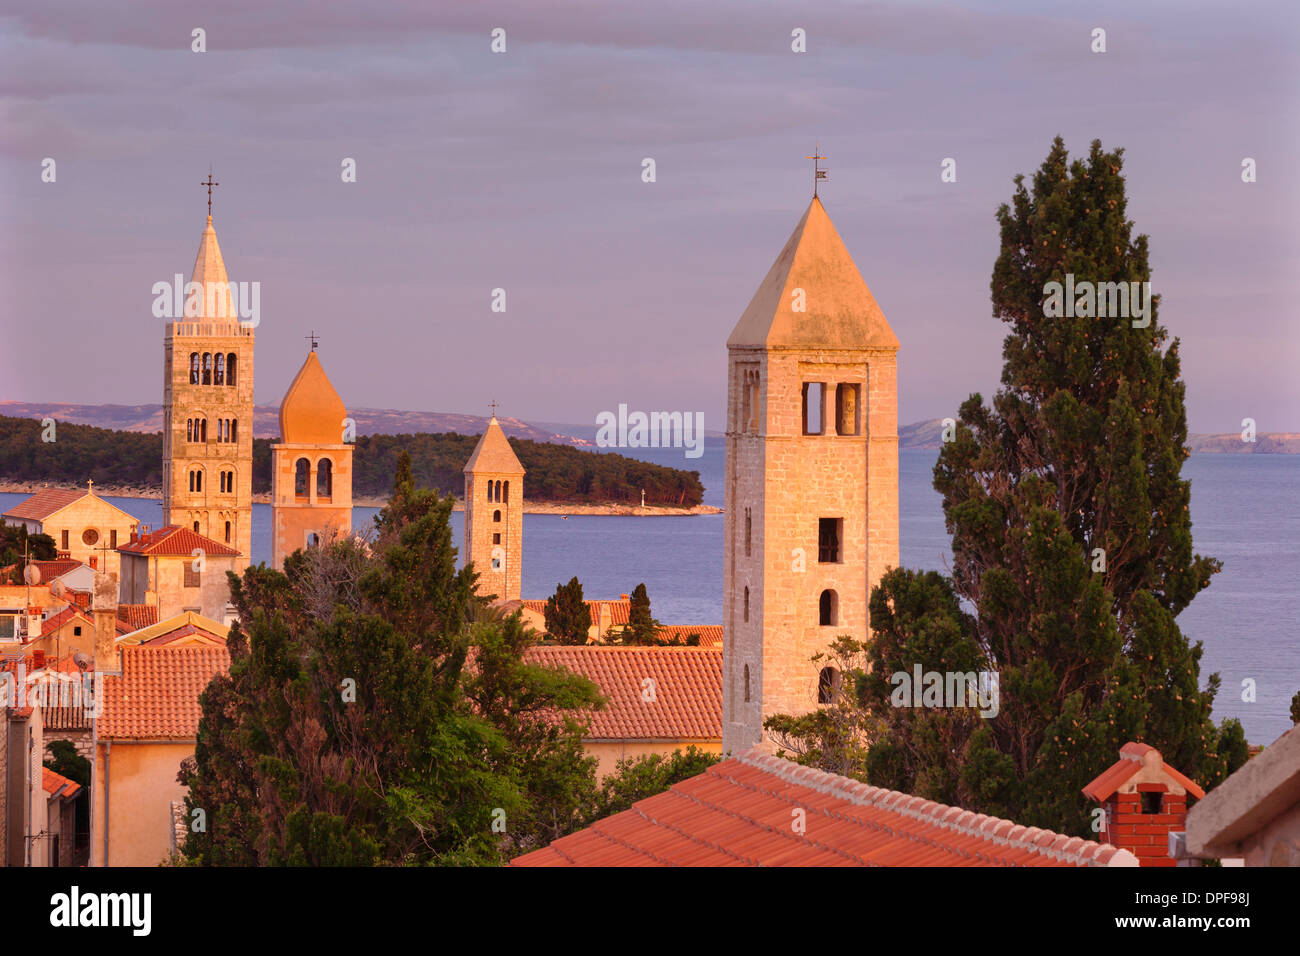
(312, 412)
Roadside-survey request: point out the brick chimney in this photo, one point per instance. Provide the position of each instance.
(104, 610)
(1144, 800)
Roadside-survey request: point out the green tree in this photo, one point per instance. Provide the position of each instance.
(15, 541)
(401, 728)
(636, 778)
(1295, 708)
(641, 627)
(567, 615)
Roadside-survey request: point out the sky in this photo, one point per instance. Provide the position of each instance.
(522, 170)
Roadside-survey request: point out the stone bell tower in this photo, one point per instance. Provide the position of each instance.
(494, 515)
(811, 477)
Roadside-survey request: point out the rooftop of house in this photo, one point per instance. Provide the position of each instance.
(619, 610)
(744, 810)
(652, 693)
(56, 784)
(156, 697)
(175, 541)
(1138, 763)
(178, 627)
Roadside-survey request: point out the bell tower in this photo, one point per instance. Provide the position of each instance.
(208, 408)
(311, 468)
(494, 515)
(811, 519)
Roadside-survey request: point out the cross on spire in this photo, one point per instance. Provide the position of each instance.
(313, 339)
(493, 405)
(818, 172)
(209, 183)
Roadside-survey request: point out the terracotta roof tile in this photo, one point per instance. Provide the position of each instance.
(156, 697)
(44, 503)
(1131, 759)
(686, 686)
(136, 616)
(740, 813)
(710, 634)
(52, 781)
(175, 541)
(619, 610)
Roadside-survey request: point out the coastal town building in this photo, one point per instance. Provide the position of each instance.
(311, 467)
(84, 526)
(175, 569)
(811, 477)
(494, 515)
(208, 409)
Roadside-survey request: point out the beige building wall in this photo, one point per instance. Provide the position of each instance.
(87, 527)
(296, 518)
(137, 811)
(148, 579)
(610, 752)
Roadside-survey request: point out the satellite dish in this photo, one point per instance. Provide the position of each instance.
(57, 588)
(32, 574)
(81, 660)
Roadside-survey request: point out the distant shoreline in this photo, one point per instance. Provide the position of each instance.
(264, 498)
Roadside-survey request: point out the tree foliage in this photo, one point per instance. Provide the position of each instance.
(567, 615)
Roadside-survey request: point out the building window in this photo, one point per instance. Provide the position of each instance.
(301, 477)
(313, 539)
(745, 612)
(749, 401)
(828, 685)
(496, 515)
(76, 631)
(202, 427)
(189, 429)
(749, 532)
(324, 478)
(89, 536)
(230, 369)
(505, 492)
(814, 408)
(496, 537)
(227, 532)
(233, 434)
(828, 540)
(829, 609)
(207, 368)
(194, 368)
(847, 408)
(220, 378)
(65, 541)
(490, 486)
(112, 538)
(193, 578)
(196, 527)
(747, 683)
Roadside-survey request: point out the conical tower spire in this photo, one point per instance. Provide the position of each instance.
(213, 297)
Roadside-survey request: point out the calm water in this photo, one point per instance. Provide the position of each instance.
(1244, 512)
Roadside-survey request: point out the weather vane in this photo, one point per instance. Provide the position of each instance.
(818, 172)
(312, 339)
(209, 183)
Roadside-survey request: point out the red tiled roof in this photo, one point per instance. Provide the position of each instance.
(175, 541)
(52, 781)
(741, 812)
(136, 616)
(1130, 762)
(619, 611)
(49, 569)
(687, 689)
(44, 503)
(156, 697)
(49, 625)
(710, 634)
(80, 598)
(185, 630)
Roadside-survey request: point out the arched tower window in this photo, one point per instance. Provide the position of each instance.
(207, 368)
(189, 429)
(505, 492)
(747, 683)
(829, 608)
(324, 478)
(194, 368)
(220, 378)
(230, 369)
(746, 611)
(203, 429)
(301, 477)
(196, 527)
(496, 515)
(490, 485)
(749, 532)
(828, 685)
(233, 434)
(227, 532)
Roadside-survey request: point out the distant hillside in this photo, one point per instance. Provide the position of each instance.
(266, 420)
(928, 434)
(132, 461)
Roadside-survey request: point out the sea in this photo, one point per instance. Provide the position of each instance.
(1244, 512)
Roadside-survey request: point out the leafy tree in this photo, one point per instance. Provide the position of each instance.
(636, 778)
(1295, 708)
(398, 725)
(65, 760)
(567, 615)
(14, 539)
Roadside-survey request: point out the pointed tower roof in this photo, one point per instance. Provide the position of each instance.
(841, 311)
(312, 412)
(493, 453)
(209, 267)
